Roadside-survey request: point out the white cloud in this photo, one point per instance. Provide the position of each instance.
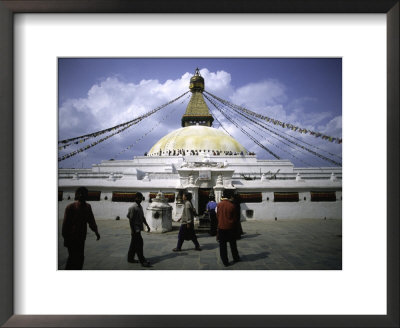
(333, 127)
(219, 82)
(261, 94)
(112, 102)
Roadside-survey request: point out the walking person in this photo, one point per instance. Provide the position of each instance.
(227, 222)
(77, 217)
(210, 208)
(235, 199)
(136, 221)
(186, 230)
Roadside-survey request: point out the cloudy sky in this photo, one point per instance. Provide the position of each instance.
(97, 93)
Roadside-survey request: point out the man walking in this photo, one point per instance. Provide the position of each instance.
(74, 229)
(186, 230)
(136, 220)
(227, 220)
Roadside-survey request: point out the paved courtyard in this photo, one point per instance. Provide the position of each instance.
(306, 244)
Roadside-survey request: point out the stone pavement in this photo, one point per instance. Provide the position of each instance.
(306, 244)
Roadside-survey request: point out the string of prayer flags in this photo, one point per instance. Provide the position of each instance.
(135, 120)
(277, 122)
(123, 127)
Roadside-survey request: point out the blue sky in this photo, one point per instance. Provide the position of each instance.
(97, 93)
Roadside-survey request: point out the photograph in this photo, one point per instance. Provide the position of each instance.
(199, 163)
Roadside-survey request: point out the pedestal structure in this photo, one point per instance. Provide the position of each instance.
(159, 214)
(218, 188)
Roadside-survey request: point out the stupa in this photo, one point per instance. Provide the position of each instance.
(202, 159)
(197, 134)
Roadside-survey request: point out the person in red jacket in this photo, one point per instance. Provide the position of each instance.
(227, 222)
(74, 228)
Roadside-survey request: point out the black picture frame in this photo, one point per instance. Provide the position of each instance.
(7, 10)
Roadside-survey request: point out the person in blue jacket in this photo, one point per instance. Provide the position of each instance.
(210, 208)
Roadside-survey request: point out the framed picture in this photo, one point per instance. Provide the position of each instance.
(161, 292)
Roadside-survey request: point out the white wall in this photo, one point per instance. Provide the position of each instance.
(105, 209)
(303, 209)
(266, 210)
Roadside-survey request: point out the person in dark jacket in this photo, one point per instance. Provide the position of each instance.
(74, 229)
(227, 221)
(186, 230)
(235, 199)
(136, 221)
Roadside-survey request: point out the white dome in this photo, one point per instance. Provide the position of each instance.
(197, 138)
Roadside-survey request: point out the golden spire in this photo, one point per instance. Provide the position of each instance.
(197, 111)
(196, 82)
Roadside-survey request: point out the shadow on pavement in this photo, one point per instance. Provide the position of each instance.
(254, 235)
(254, 257)
(157, 259)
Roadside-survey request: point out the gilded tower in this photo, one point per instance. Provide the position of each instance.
(197, 111)
(196, 134)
